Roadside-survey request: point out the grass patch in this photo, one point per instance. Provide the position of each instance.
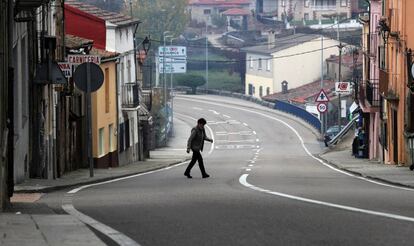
(221, 80)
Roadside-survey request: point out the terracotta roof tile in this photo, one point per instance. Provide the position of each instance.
(236, 12)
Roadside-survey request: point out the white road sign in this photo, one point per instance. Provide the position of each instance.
(343, 87)
(79, 59)
(66, 68)
(322, 107)
(173, 67)
(172, 59)
(174, 51)
(322, 97)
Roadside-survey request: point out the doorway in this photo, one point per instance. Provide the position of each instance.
(395, 135)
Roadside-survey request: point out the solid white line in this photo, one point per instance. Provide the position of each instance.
(304, 147)
(243, 181)
(115, 235)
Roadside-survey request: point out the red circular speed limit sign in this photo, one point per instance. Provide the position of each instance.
(322, 107)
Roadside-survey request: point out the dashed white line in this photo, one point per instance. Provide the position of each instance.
(248, 169)
(243, 181)
(254, 132)
(245, 124)
(226, 116)
(305, 148)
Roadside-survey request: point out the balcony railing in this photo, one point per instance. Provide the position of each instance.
(130, 96)
(323, 7)
(372, 93)
(146, 97)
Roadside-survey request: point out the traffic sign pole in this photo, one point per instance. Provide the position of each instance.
(89, 117)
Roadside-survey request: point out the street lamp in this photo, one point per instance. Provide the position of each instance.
(164, 34)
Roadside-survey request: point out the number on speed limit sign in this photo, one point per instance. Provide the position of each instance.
(322, 107)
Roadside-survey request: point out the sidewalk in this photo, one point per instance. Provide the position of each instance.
(31, 223)
(341, 157)
(174, 153)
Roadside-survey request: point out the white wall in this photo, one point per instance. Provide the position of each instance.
(20, 100)
(301, 69)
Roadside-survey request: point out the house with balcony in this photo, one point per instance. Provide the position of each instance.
(298, 10)
(113, 32)
(285, 63)
(396, 30)
(369, 94)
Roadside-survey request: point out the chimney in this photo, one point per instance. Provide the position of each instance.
(271, 39)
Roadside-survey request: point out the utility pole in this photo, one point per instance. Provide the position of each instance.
(172, 92)
(340, 46)
(322, 115)
(206, 58)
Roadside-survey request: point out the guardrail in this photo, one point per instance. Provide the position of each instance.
(278, 105)
(343, 131)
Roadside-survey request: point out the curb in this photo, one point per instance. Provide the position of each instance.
(103, 179)
(365, 176)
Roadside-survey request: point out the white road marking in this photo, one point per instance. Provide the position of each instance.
(243, 181)
(248, 169)
(253, 162)
(257, 140)
(115, 235)
(254, 132)
(214, 112)
(211, 131)
(250, 165)
(235, 141)
(304, 147)
(245, 124)
(197, 108)
(226, 116)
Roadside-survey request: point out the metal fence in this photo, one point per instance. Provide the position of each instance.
(298, 112)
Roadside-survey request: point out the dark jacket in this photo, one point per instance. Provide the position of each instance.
(196, 139)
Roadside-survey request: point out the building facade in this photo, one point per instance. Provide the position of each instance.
(274, 67)
(202, 11)
(105, 114)
(397, 32)
(115, 33)
(369, 96)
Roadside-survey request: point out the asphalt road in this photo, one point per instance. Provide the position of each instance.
(265, 189)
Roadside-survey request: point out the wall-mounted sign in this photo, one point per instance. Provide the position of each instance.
(79, 59)
(343, 87)
(66, 68)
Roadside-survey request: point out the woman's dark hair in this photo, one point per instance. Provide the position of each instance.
(201, 121)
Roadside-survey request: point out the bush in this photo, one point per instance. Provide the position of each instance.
(190, 80)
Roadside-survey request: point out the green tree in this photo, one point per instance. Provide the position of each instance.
(158, 16)
(190, 80)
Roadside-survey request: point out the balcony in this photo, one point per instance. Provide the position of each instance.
(130, 96)
(146, 98)
(372, 93)
(323, 7)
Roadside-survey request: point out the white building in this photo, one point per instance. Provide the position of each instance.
(291, 61)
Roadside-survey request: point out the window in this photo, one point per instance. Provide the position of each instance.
(250, 90)
(129, 71)
(101, 142)
(260, 64)
(283, 2)
(261, 91)
(207, 11)
(306, 16)
(111, 138)
(250, 62)
(268, 91)
(306, 2)
(268, 64)
(344, 3)
(122, 73)
(107, 98)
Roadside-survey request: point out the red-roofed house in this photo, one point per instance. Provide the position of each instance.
(113, 32)
(237, 16)
(202, 11)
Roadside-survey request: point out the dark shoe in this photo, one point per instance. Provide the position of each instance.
(205, 176)
(412, 167)
(188, 175)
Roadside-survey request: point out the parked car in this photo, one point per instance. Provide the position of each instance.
(330, 133)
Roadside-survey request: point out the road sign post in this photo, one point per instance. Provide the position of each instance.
(89, 77)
